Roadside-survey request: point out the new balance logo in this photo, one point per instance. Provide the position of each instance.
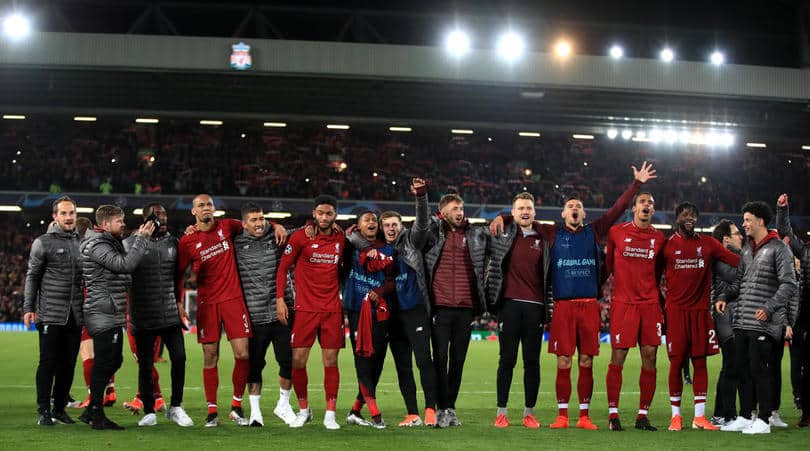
(617, 338)
(419, 329)
(628, 240)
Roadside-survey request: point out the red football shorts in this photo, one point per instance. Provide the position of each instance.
(85, 335)
(635, 324)
(575, 325)
(690, 333)
(213, 317)
(327, 326)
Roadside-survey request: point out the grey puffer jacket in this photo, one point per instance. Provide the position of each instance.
(723, 276)
(53, 284)
(802, 251)
(257, 260)
(765, 280)
(107, 270)
(153, 300)
(501, 250)
(434, 237)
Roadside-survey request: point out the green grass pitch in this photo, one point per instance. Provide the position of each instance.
(475, 407)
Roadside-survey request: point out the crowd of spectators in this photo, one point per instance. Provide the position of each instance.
(367, 163)
(15, 244)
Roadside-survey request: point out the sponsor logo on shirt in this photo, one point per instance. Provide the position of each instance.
(638, 252)
(689, 263)
(60, 250)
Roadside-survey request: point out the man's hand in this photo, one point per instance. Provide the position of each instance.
(146, 229)
(788, 333)
(190, 230)
(281, 234)
(351, 230)
(720, 306)
(761, 315)
(29, 318)
(782, 201)
(496, 226)
(373, 296)
(644, 174)
(281, 311)
(181, 312)
(416, 184)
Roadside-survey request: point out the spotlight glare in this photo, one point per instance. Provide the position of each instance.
(510, 46)
(562, 49)
(667, 55)
(616, 52)
(457, 43)
(655, 135)
(727, 139)
(612, 133)
(627, 134)
(16, 26)
(717, 58)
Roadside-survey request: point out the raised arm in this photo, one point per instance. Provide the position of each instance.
(106, 256)
(601, 226)
(785, 229)
(419, 231)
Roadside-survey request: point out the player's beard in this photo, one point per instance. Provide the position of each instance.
(325, 229)
(685, 231)
(206, 219)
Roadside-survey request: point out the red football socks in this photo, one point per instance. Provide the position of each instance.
(331, 384)
(585, 389)
(300, 381)
(210, 385)
(563, 390)
(614, 387)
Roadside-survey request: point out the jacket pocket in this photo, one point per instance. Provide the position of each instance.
(107, 305)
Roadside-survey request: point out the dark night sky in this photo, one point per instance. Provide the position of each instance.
(750, 32)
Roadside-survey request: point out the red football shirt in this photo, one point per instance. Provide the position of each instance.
(632, 254)
(212, 258)
(689, 264)
(317, 268)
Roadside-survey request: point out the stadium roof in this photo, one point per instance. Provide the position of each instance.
(773, 33)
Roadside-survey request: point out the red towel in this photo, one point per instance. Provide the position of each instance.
(365, 345)
(379, 262)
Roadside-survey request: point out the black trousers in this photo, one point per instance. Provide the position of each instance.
(369, 369)
(58, 348)
(756, 351)
(107, 347)
(519, 323)
(778, 355)
(804, 380)
(451, 339)
(797, 345)
(172, 338)
(725, 401)
(264, 335)
(409, 337)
